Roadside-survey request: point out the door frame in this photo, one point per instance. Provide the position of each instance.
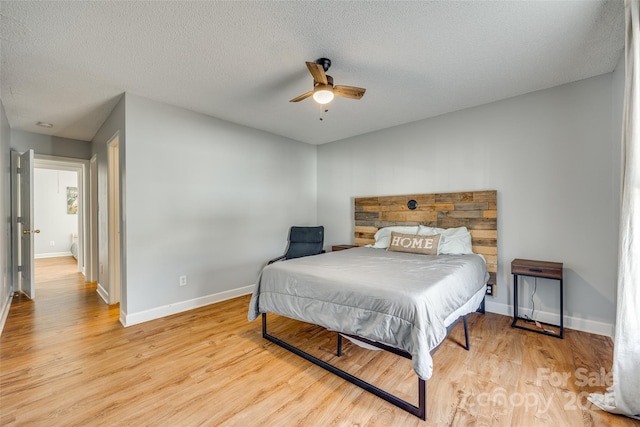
(92, 273)
(15, 208)
(86, 260)
(114, 221)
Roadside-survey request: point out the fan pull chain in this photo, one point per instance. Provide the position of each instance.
(322, 109)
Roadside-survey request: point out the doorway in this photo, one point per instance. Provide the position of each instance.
(61, 211)
(56, 213)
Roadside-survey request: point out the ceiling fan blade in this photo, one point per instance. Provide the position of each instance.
(301, 97)
(349, 91)
(317, 72)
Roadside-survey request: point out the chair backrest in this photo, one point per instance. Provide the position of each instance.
(305, 241)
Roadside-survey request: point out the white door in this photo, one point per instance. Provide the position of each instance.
(24, 230)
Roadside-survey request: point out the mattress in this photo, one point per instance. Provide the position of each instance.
(399, 299)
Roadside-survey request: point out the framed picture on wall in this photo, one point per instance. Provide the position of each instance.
(72, 200)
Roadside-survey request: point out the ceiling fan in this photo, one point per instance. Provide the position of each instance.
(323, 88)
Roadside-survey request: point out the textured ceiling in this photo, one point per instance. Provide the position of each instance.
(67, 62)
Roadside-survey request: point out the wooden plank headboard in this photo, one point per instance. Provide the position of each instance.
(476, 210)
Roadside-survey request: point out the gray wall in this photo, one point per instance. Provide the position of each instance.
(553, 157)
(22, 141)
(208, 199)
(5, 211)
(115, 124)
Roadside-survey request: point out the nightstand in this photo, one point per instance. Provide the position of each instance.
(336, 248)
(543, 269)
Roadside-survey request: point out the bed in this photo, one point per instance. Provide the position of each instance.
(398, 301)
(74, 245)
(403, 300)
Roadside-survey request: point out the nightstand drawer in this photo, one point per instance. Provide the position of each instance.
(550, 270)
(335, 248)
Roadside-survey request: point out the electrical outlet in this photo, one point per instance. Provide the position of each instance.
(489, 289)
(183, 280)
(52, 243)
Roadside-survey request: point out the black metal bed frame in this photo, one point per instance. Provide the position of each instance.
(419, 411)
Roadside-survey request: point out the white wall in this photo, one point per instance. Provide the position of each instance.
(50, 212)
(208, 199)
(554, 160)
(6, 276)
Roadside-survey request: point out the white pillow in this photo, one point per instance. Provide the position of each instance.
(383, 236)
(454, 241)
(423, 230)
(456, 244)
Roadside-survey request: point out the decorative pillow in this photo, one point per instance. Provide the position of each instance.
(427, 245)
(383, 236)
(454, 241)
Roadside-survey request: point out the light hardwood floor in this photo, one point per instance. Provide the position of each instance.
(65, 360)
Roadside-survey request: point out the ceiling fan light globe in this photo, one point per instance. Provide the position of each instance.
(323, 95)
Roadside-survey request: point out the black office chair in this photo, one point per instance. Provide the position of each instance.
(303, 241)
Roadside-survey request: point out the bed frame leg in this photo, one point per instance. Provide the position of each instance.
(419, 411)
(481, 309)
(264, 325)
(466, 333)
(339, 351)
(422, 399)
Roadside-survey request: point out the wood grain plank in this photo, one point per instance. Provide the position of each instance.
(363, 241)
(484, 242)
(380, 224)
(408, 216)
(471, 206)
(485, 250)
(454, 197)
(463, 214)
(364, 229)
(366, 216)
(490, 260)
(364, 236)
(490, 213)
(484, 234)
(363, 201)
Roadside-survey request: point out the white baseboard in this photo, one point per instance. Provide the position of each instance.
(6, 306)
(53, 255)
(103, 293)
(570, 322)
(179, 307)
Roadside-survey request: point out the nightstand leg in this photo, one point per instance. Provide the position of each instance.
(515, 299)
(561, 309)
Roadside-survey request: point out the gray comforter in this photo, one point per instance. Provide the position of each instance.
(394, 298)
